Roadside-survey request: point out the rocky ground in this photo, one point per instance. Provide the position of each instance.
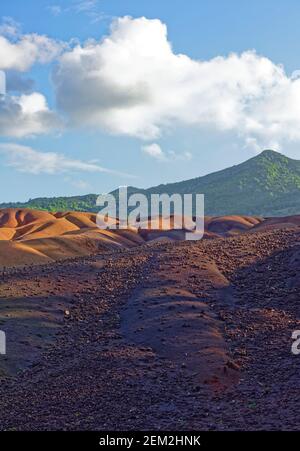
(189, 335)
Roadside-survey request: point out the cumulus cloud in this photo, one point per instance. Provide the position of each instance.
(133, 83)
(155, 151)
(28, 160)
(24, 51)
(26, 115)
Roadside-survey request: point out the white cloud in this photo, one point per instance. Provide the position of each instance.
(26, 115)
(21, 53)
(9, 27)
(155, 151)
(28, 160)
(132, 83)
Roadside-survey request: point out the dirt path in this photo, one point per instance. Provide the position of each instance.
(167, 336)
(167, 316)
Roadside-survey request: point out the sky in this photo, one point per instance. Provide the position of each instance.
(101, 94)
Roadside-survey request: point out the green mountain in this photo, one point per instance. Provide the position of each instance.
(266, 185)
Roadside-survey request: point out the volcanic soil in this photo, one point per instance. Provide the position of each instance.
(163, 336)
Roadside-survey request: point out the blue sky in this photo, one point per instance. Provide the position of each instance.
(96, 134)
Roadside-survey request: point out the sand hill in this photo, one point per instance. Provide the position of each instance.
(34, 237)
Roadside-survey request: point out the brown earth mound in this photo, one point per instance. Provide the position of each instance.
(230, 225)
(278, 223)
(12, 217)
(35, 237)
(165, 315)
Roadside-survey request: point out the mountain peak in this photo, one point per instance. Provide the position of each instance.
(270, 151)
(271, 154)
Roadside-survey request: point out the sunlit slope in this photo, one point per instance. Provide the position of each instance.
(35, 237)
(265, 185)
(30, 237)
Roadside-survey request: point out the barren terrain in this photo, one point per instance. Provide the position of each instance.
(159, 335)
(30, 237)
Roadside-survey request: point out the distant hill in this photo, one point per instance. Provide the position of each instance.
(53, 204)
(266, 185)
